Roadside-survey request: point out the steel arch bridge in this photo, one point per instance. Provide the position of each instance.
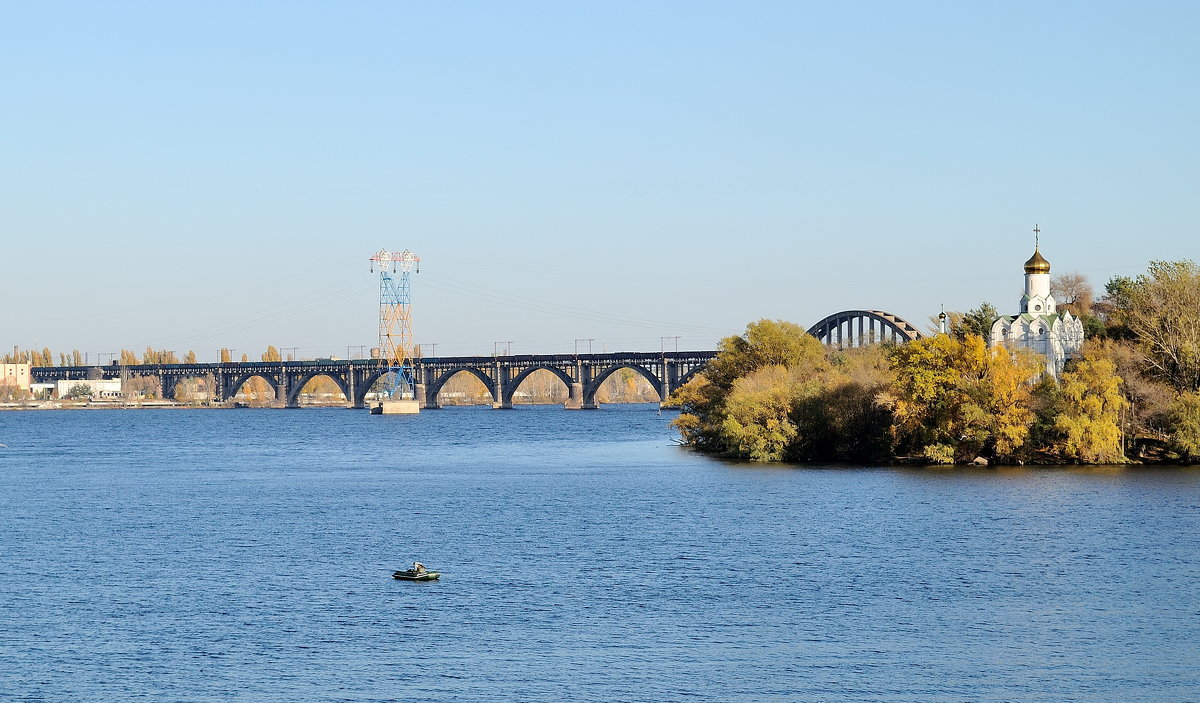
(855, 328)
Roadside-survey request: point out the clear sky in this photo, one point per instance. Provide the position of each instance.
(197, 175)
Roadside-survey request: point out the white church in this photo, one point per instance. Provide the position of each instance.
(1039, 326)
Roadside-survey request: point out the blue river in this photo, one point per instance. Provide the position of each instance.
(246, 555)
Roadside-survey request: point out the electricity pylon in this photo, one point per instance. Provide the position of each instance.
(395, 319)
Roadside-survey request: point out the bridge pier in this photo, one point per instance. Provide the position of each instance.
(501, 397)
(575, 398)
(421, 393)
(281, 393)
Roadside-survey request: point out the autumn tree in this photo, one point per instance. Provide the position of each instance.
(1089, 412)
(740, 404)
(159, 356)
(128, 358)
(1162, 311)
(849, 417)
(271, 354)
(1073, 293)
(955, 399)
(190, 358)
(142, 387)
(1185, 426)
(756, 421)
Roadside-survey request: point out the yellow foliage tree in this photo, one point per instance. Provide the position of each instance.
(717, 404)
(1185, 421)
(757, 423)
(1089, 413)
(955, 399)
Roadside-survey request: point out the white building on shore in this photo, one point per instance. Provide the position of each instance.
(99, 389)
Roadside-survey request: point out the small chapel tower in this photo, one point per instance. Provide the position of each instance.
(1037, 299)
(1039, 326)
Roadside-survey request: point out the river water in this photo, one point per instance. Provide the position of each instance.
(245, 555)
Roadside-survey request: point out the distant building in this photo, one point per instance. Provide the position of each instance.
(16, 375)
(1039, 326)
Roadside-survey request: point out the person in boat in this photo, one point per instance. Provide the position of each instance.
(418, 567)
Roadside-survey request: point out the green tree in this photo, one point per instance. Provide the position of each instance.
(79, 390)
(978, 321)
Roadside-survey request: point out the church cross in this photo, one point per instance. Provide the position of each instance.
(1036, 236)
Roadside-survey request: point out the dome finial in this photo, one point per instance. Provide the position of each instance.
(1037, 263)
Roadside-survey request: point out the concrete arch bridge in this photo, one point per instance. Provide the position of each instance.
(582, 374)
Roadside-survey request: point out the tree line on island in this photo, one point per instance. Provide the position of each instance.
(776, 393)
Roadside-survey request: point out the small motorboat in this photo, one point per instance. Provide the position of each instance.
(414, 575)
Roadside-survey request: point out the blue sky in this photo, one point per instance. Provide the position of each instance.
(191, 176)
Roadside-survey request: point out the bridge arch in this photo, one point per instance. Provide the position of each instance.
(171, 384)
(361, 389)
(516, 381)
(293, 394)
(233, 386)
(433, 388)
(854, 328)
(589, 393)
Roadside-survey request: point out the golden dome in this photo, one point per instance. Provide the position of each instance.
(1037, 263)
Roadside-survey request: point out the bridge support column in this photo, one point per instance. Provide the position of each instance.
(422, 394)
(575, 399)
(501, 400)
(585, 374)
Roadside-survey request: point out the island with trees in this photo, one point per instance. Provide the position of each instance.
(1131, 395)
